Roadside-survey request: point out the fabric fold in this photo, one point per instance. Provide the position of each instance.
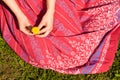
(84, 38)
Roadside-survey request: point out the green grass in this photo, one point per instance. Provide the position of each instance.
(13, 68)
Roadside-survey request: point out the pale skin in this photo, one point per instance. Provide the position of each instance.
(47, 19)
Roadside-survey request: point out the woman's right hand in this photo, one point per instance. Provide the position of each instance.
(23, 24)
(22, 19)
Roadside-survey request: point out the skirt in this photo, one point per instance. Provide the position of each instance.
(84, 38)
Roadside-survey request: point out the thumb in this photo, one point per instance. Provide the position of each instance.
(41, 25)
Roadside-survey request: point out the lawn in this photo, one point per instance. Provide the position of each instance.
(13, 68)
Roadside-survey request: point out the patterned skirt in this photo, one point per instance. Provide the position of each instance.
(84, 39)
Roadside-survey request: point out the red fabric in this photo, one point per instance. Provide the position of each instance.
(84, 39)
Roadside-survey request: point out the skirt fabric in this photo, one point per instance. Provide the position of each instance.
(84, 39)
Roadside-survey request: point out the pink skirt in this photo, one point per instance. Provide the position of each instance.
(84, 39)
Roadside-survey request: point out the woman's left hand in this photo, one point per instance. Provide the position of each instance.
(47, 22)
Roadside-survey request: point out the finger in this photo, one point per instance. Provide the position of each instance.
(26, 31)
(46, 28)
(43, 35)
(41, 25)
(43, 30)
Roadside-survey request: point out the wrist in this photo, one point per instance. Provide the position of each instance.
(20, 16)
(50, 11)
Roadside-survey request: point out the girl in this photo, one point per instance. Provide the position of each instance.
(75, 37)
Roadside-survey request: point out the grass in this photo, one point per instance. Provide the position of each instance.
(13, 68)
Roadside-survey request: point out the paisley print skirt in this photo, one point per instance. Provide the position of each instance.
(84, 39)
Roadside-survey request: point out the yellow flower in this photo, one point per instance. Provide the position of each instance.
(35, 30)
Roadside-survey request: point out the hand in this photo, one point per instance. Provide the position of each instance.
(22, 19)
(23, 24)
(47, 23)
